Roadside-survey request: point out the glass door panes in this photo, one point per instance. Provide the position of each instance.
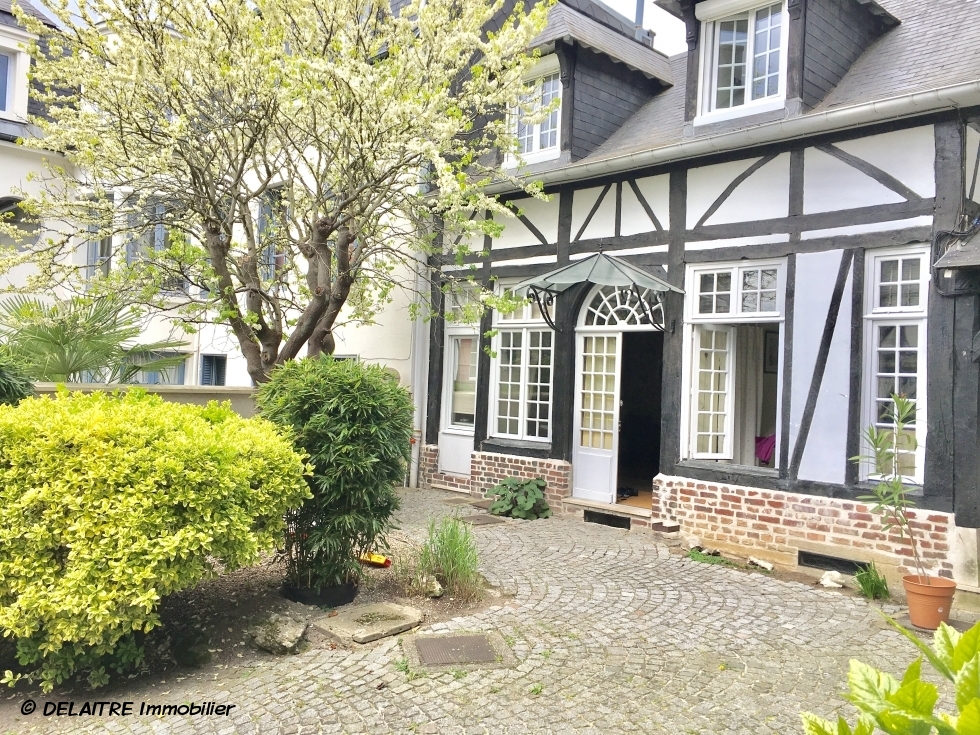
(598, 392)
(897, 353)
(464, 380)
(712, 390)
(509, 383)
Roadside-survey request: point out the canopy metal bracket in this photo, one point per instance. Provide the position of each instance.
(545, 299)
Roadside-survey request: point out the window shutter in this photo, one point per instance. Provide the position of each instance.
(207, 370)
(220, 362)
(711, 414)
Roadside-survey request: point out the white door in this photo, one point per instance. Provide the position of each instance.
(596, 440)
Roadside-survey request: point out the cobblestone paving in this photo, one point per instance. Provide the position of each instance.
(612, 635)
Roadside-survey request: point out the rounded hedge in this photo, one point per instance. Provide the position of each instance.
(355, 422)
(110, 502)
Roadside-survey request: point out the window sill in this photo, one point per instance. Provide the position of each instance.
(736, 113)
(458, 431)
(520, 447)
(728, 468)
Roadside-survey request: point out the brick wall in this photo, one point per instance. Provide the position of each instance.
(782, 523)
(487, 470)
(429, 471)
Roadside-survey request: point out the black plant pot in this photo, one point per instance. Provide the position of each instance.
(334, 596)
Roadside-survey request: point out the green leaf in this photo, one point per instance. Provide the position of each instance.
(968, 722)
(936, 661)
(968, 683)
(913, 672)
(813, 725)
(917, 697)
(944, 642)
(966, 648)
(869, 688)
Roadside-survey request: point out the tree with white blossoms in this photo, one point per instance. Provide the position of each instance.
(266, 163)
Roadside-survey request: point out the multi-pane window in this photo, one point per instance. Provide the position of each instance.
(736, 291)
(270, 211)
(464, 362)
(733, 361)
(522, 366)
(509, 378)
(715, 293)
(172, 375)
(744, 58)
(534, 137)
(759, 289)
(896, 341)
(598, 392)
(537, 137)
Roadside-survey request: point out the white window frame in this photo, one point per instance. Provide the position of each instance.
(694, 322)
(548, 66)
(735, 314)
(524, 321)
(452, 335)
(12, 42)
(876, 316)
(711, 13)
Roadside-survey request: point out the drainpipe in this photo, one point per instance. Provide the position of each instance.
(420, 361)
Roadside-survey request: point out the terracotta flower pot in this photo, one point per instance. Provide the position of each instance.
(929, 600)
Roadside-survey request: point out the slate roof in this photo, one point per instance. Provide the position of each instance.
(937, 44)
(7, 12)
(566, 23)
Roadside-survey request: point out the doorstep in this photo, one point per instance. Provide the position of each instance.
(616, 509)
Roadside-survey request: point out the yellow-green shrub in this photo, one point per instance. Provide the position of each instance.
(110, 502)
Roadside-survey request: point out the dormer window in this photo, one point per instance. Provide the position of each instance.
(743, 58)
(14, 63)
(6, 64)
(538, 140)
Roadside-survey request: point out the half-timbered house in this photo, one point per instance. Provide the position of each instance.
(795, 177)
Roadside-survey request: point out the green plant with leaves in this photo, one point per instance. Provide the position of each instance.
(109, 502)
(520, 499)
(907, 706)
(450, 556)
(893, 447)
(356, 424)
(14, 383)
(80, 338)
(871, 583)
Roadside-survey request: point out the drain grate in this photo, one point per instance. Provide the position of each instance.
(459, 649)
(481, 520)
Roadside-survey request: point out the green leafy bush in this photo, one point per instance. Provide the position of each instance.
(871, 583)
(356, 424)
(907, 707)
(14, 383)
(520, 499)
(110, 502)
(449, 554)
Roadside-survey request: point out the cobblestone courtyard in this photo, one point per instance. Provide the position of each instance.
(611, 633)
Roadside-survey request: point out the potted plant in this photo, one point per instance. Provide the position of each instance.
(356, 424)
(929, 598)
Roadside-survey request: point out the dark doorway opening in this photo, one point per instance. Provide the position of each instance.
(639, 417)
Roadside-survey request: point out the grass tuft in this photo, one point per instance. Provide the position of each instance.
(871, 583)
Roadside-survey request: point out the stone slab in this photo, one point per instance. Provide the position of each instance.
(483, 504)
(482, 520)
(366, 623)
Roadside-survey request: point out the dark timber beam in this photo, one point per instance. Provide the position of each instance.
(437, 337)
(671, 397)
(854, 397)
(940, 479)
